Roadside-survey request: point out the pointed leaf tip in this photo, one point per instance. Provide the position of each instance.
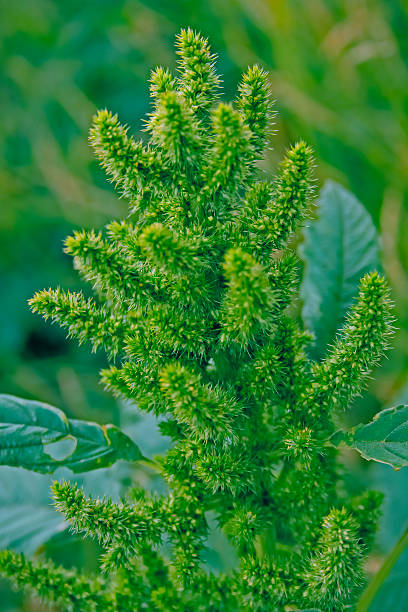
(339, 248)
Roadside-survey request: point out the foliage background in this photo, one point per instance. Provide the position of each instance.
(339, 72)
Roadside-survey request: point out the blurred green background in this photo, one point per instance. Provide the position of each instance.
(339, 73)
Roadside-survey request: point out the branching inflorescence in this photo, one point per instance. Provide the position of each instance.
(192, 296)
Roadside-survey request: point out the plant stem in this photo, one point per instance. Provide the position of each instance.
(378, 580)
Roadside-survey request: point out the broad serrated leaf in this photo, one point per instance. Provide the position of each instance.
(385, 439)
(39, 437)
(338, 249)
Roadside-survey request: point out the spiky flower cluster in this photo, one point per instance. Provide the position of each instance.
(193, 295)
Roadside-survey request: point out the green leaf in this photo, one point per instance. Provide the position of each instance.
(338, 249)
(393, 594)
(27, 517)
(385, 439)
(41, 438)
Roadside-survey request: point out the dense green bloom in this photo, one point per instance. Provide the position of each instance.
(55, 584)
(359, 346)
(255, 105)
(335, 568)
(193, 306)
(116, 526)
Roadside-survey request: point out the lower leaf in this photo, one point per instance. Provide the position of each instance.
(39, 437)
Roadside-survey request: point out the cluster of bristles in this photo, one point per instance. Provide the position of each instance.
(193, 301)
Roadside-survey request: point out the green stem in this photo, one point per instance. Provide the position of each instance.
(379, 579)
(151, 463)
